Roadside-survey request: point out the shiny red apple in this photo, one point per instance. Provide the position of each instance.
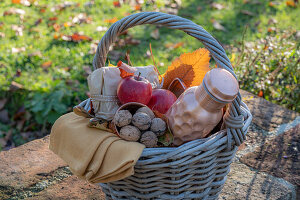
(161, 100)
(134, 89)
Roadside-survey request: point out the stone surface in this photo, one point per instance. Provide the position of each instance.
(71, 188)
(246, 183)
(279, 157)
(266, 114)
(32, 171)
(26, 165)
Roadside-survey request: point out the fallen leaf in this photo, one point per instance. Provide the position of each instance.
(25, 3)
(271, 29)
(174, 46)
(247, 12)
(271, 4)
(2, 103)
(16, 1)
(67, 24)
(131, 41)
(217, 6)
(232, 59)
(64, 5)
(56, 27)
(101, 28)
(166, 139)
(117, 4)
(218, 26)
(18, 29)
(52, 18)
(111, 21)
(37, 53)
(77, 38)
(189, 67)
(47, 64)
(125, 70)
(81, 18)
(272, 21)
(155, 34)
(18, 73)
(20, 113)
(137, 7)
(42, 10)
(13, 11)
(57, 36)
(290, 3)
(260, 94)
(66, 37)
(17, 50)
(177, 45)
(37, 22)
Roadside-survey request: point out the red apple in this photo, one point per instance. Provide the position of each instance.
(161, 100)
(134, 89)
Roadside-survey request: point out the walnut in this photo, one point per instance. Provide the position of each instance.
(149, 139)
(130, 133)
(146, 110)
(158, 126)
(141, 120)
(122, 118)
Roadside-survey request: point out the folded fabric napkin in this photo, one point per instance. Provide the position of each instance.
(92, 154)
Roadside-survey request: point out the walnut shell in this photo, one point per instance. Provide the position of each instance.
(146, 110)
(149, 139)
(122, 118)
(158, 126)
(130, 133)
(141, 120)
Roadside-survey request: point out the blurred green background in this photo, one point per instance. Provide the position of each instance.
(47, 48)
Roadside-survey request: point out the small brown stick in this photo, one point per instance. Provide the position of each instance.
(128, 58)
(154, 60)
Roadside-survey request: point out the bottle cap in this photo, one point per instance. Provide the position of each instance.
(221, 84)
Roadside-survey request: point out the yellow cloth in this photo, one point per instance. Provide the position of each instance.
(92, 154)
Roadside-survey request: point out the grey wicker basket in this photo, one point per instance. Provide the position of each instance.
(197, 169)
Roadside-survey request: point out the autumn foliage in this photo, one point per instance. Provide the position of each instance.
(189, 67)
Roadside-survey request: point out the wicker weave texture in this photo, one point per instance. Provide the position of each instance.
(197, 169)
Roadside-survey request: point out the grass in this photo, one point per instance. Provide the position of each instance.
(51, 72)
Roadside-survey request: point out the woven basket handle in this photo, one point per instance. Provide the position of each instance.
(192, 29)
